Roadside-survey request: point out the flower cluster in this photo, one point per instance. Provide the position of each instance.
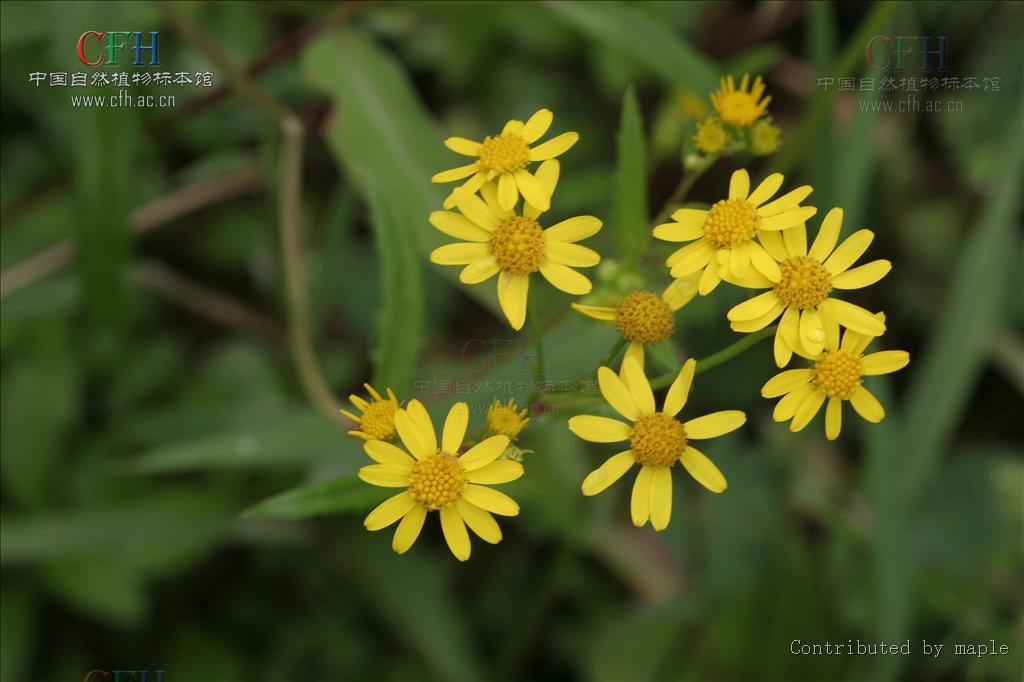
(753, 237)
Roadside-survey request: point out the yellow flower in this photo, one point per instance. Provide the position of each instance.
(505, 156)
(800, 289)
(837, 374)
(501, 242)
(377, 416)
(691, 105)
(656, 439)
(643, 317)
(725, 246)
(439, 479)
(739, 108)
(710, 137)
(765, 137)
(506, 419)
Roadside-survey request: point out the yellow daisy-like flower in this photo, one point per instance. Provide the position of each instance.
(723, 245)
(377, 416)
(800, 292)
(439, 479)
(506, 419)
(505, 157)
(643, 317)
(710, 137)
(740, 107)
(837, 374)
(656, 440)
(765, 137)
(501, 242)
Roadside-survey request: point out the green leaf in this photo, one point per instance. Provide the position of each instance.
(280, 441)
(341, 495)
(642, 37)
(629, 202)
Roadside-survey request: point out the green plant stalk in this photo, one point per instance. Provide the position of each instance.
(538, 345)
(720, 357)
(606, 361)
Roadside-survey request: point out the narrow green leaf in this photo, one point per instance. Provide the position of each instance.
(629, 202)
(340, 495)
(642, 37)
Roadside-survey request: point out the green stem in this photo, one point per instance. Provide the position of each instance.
(606, 361)
(716, 359)
(538, 345)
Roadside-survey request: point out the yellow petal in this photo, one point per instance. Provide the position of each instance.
(787, 381)
(690, 217)
(573, 229)
(389, 511)
(556, 146)
(703, 470)
(739, 184)
(867, 405)
(790, 403)
(565, 278)
(885, 361)
(852, 248)
(460, 253)
(856, 318)
(830, 321)
(483, 453)
(785, 201)
(508, 192)
(617, 394)
(758, 323)
(532, 190)
(714, 424)
(461, 145)
(640, 500)
(661, 498)
(415, 442)
(773, 244)
(768, 187)
(609, 472)
(490, 500)
(479, 521)
(597, 312)
(513, 126)
(763, 262)
(385, 476)
(458, 226)
(455, 428)
(739, 260)
(676, 232)
(833, 418)
(679, 391)
(691, 258)
(423, 424)
(639, 387)
(386, 453)
(512, 293)
(710, 278)
(573, 255)
(634, 351)
(479, 271)
(795, 240)
(862, 276)
(409, 529)
(474, 208)
(828, 235)
(808, 408)
(789, 218)
(455, 532)
(680, 292)
(812, 332)
(455, 173)
(599, 429)
(498, 471)
(782, 353)
(754, 307)
(537, 125)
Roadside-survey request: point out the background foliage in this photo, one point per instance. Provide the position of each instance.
(148, 395)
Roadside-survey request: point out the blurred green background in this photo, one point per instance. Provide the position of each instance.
(149, 396)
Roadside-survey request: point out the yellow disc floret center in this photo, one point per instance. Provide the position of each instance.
(643, 317)
(504, 153)
(518, 245)
(657, 440)
(378, 420)
(437, 481)
(730, 222)
(839, 374)
(805, 283)
(505, 420)
(738, 109)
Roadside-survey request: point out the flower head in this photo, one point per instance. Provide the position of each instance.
(710, 137)
(656, 440)
(837, 374)
(801, 290)
(740, 107)
(377, 416)
(765, 137)
(506, 419)
(513, 246)
(643, 317)
(504, 157)
(723, 245)
(439, 479)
